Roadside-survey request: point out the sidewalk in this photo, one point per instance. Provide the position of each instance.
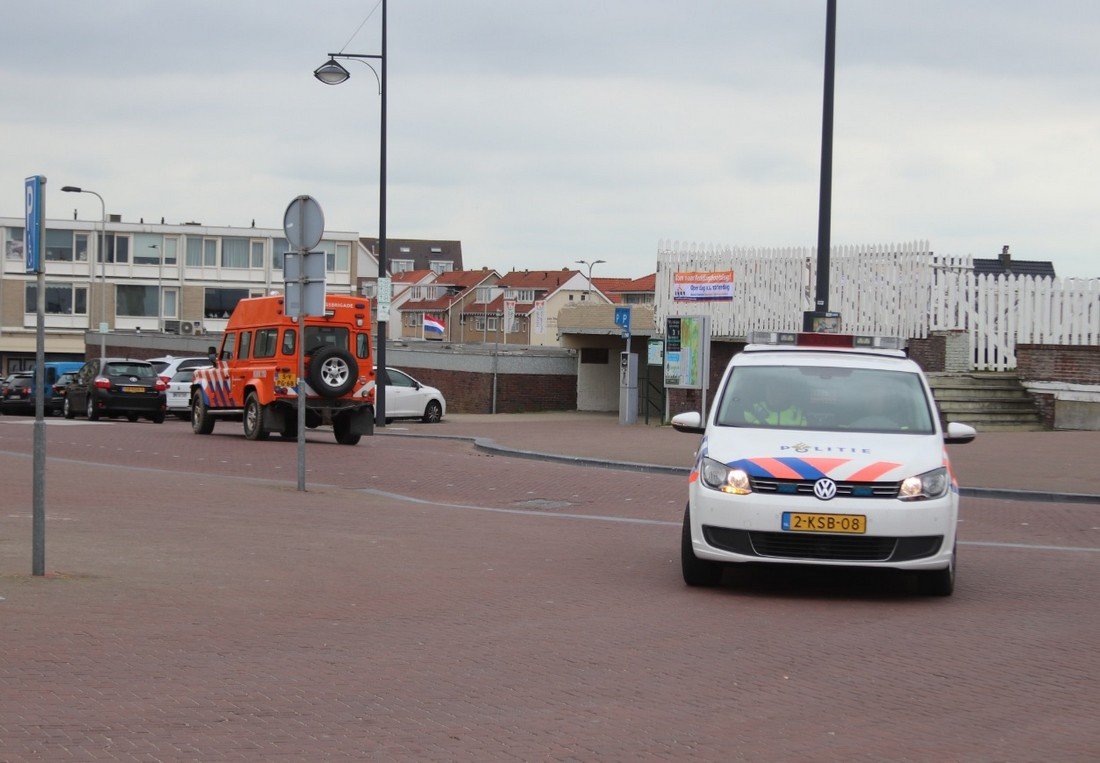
(1043, 462)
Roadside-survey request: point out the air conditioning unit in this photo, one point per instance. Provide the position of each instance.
(171, 327)
(190, 328)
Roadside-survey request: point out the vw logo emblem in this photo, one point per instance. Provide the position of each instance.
(825, 489)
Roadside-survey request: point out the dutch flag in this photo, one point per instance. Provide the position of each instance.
(433, 325)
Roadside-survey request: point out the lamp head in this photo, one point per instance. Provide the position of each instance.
(331, 72)
(71, 189)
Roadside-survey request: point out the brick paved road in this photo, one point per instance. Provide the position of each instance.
(514, 610)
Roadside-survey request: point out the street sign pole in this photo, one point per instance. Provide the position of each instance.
(304, 225)
(33, 251)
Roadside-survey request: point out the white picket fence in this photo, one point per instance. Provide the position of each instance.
(893, 290)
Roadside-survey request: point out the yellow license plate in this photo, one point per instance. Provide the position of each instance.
(824, 523)
(133, 389)
(284, 379)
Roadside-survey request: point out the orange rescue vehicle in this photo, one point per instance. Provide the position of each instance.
(255, 371)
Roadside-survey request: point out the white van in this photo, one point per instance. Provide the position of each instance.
(822, 449)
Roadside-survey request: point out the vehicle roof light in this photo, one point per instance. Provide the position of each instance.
(812, 339)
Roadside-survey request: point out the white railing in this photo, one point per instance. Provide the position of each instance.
(894, 290)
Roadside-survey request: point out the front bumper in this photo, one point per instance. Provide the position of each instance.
(912, 535)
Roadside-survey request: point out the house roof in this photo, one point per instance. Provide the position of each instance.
(545, 280)
(995, 267)
(459, 281)
(412, 276)
(614, 288)
(420, 251)
(1004, 265)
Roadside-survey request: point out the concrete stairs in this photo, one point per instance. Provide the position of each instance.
(987, 401)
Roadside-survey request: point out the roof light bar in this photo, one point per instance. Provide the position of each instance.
(810, 339)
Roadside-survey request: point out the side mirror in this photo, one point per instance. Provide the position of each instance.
(688, 423)
(959, 434)
(212, 352)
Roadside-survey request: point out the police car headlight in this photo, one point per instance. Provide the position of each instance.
(718, 476)
(933, 484)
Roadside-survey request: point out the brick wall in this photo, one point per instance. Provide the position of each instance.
(1074, 364)
(472, 392)
(929, 353)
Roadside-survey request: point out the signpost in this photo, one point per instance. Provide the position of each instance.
(303, 224)
(34, 236)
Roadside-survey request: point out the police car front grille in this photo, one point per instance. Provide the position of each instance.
(806, 487)
(822, 547)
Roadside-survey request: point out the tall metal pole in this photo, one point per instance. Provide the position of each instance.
(824, 212)
(383, 265)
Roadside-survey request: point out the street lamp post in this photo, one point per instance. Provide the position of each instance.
(160, 287)
(102, 255)
(590, 265)
(332, 73)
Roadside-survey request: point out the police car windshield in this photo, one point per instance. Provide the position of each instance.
(825, 399)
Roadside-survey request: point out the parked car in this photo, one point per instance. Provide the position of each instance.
(167, 366)
(116, 387)
(179, 393)
(406, 398)
(60, 387)
(17, 396)
(10, 378)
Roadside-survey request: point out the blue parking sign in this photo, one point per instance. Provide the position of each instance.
(622, 319)
(35, 204)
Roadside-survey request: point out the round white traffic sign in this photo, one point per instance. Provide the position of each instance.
(304, 223)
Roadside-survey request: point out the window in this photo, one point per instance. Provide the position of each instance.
(405, 250)
(279, 247)
(171, 302)
(409, 319)
(289, 338)
(220, 303)
(520, 295)
(235, 252)
(246, 344)
(257, 255)
(400, 266)
(318, 337)
(117, 248)
(194, 252)
(59, 245)
(441, 266)
(484, 294)
(595, 355)
(266, 341)
(136, 301)
(228, 344)
(171, 246)
(209, 252)
(13, 246)
(147, 255)
(61, 299)
(362, 345)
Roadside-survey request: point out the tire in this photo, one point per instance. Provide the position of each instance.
(332, 372)
(938, 582)
(433, 412)
(90, 410)
(66, 409)
(201, 420)
(157, 418)
(254, 428)
(341, 427)
(131, 417)
(698, 573)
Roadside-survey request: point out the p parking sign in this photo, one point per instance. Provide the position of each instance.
(34, 204)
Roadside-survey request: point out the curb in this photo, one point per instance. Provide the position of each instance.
(487, 445)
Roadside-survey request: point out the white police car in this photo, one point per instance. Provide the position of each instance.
(822, 449)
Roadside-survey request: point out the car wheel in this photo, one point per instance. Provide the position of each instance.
(131, 417)
(67, 410)
(254, 428)
(201, 420)
(332, 372)
(157, 418)
(341, 427)
(697, 572)
(938, 582)
(90, 409)
(433, 413)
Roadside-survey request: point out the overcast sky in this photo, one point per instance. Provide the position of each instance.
(539, 133)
